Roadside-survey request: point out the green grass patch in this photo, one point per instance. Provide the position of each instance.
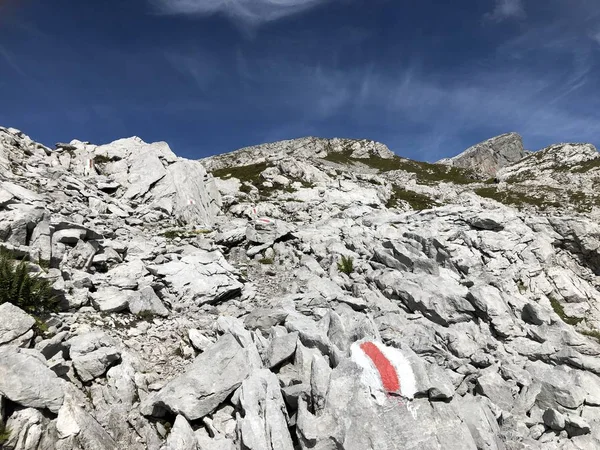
(426, 173)
(172, 234)
(248, 174)
(586, 166)
(559, 310)
(582, 202)
(594, 334)
(346, 265)
(414, 199)
(44, 264)
(515, 198)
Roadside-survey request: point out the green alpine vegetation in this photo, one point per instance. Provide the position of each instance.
(346, 264)
(426, 173)
(414, 199)
(18, 286)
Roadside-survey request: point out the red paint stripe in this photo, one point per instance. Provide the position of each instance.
(387, 372)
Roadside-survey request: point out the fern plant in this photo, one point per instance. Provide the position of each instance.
(4, 433)
(346, 265)
(29, 292)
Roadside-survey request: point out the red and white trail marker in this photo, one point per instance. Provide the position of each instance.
(385, 369)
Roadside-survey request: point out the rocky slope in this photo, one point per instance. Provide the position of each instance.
(310, 294)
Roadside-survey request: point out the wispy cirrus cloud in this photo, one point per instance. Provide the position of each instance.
(247, 13)
(10, 61)
(420, 114)
(507, 9)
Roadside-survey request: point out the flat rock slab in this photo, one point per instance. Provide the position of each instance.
(212, 377)
(26, 380)
(110, 299)
(202, 277)
(14, 322)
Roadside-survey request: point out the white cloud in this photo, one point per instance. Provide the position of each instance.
(245, 12)
(507, 9)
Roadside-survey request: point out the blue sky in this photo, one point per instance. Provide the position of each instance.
(428, 78)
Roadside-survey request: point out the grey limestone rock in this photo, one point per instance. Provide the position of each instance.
(14, 323)
(489, 156)
(26, 380)
(93, 354)
(213, 376)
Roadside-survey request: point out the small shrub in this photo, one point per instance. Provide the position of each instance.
(266, 261)
(101, 159)
(44, 264)
(172, 234)
(40, 326)
(145, 315)
(346, 265)
(28, 291)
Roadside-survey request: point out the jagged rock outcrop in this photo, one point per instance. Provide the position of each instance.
(315, 294)
(489, 156)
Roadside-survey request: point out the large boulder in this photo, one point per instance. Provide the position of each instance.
(187, 193)
(26, 379)
(212, 377)
(77, 429)
(93, 354)
(15, 324)
(29, 428)
(354, 420)
(201, 277)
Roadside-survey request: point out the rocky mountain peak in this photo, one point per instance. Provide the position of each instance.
(489, 156)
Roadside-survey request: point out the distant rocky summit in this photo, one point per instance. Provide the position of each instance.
(304, 294)
(489, 156)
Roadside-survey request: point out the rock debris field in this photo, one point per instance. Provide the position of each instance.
(308, 294)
